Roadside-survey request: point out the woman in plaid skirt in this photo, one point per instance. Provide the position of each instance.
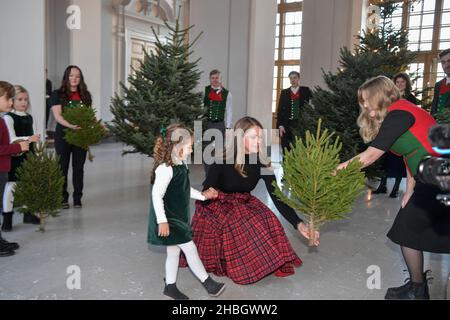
(236, 234)
(169, 210)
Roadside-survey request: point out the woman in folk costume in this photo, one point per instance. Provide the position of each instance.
(236, 234)
(423, 223)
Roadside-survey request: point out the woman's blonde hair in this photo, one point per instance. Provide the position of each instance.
(381, 92)
(235, 152)
(20, 89)
(165, 143)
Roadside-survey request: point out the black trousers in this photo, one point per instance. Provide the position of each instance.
(3, 181)
(287, 139)
(64, 151)
(221, 127)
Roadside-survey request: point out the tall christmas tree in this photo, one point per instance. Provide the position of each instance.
(162, 91)
(381, 51)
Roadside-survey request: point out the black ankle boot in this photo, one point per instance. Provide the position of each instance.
(394, 193)
(213, 287)
(5, 251)
(410, 290)
(172, 291)
(9, 245)
(382, 187)
(7, 221)
(30, 218)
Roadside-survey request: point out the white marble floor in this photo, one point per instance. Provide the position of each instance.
(107, 241)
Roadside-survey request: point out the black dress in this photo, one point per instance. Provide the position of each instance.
(23, 127)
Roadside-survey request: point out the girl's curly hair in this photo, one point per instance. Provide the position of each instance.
(164, 144)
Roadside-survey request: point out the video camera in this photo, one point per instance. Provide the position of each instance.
(436, 170)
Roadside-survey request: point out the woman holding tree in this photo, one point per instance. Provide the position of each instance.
(72, 93)
(236, 234)
(423, 223)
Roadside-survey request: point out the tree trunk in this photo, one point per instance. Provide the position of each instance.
(312, 233)
(42, 222)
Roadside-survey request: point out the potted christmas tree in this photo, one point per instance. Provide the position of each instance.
(91, 130)
(39, 185)
(316, 189)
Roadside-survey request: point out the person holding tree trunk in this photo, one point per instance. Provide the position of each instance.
(290, 104)
(72, 93)
(20, 127)
(7, 149)
(423, 223)
(441, 98)
(236, 234)
(218, 103)
(394, 165)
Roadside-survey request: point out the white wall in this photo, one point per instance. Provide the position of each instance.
(238, 39)
(327, 26)
(22, 55)
(261, 60)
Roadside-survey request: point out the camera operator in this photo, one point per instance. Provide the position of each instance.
(436, 171)
(423, 223)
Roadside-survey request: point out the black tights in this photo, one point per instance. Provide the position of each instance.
(414, 262)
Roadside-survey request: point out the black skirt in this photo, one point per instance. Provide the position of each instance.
(395, 166)
(424, 223)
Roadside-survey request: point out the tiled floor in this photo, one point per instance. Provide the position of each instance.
(107, 241)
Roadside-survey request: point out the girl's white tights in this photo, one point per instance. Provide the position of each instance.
(193, 260)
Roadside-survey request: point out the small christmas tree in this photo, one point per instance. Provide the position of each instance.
(315, 190)
(381, 51)
(91, 130)
(39, 185)
(161, 92)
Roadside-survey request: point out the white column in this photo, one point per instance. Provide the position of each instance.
(327, 27)
(261, 60)
(86, 47)
(22, 57)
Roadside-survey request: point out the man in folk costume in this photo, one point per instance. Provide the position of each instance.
(441, 97)
(290, 104)
(218, 104)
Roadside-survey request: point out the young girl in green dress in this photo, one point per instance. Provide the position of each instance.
(169, 211)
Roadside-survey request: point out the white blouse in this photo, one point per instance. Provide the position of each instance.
(163, 176)
(10, 125)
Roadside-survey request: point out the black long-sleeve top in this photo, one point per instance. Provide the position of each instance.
(227, 179)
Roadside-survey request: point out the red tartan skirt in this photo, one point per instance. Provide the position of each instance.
(238, 236)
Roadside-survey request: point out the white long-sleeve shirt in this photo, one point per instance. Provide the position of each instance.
(163, 176)
(10, 125)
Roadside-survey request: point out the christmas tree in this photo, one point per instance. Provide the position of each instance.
(39, 185)
(91, 130)
(161, 92)
(317, 190)
(381, 51)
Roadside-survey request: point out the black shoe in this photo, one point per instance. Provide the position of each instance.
(380, 189)
(410, 290)
(31, 218)
(213, 287)
(7, 221)
(394, 194)
(77, 204)
(172, 291)
(8, 245)
(65, 205)
(6, 253)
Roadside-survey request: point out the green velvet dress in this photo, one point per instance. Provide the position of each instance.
(176, 206)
